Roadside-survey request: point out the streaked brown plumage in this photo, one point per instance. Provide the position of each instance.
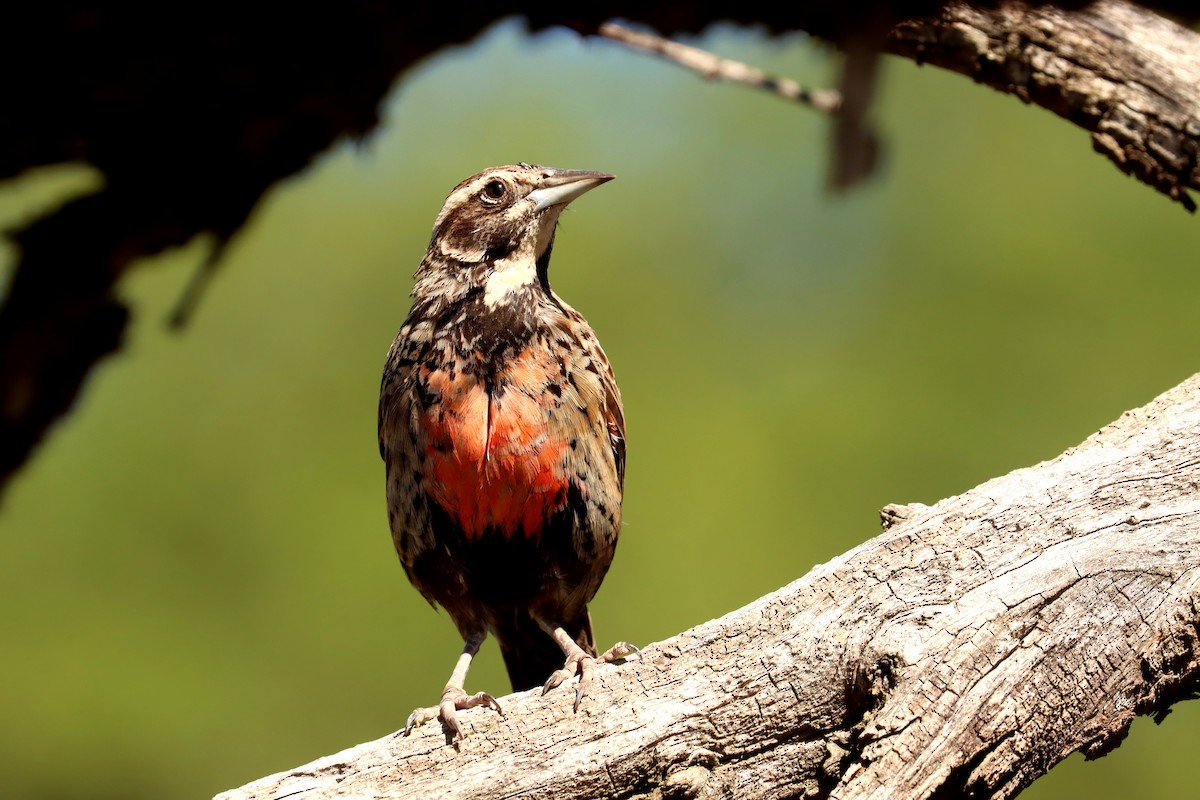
(503, 437)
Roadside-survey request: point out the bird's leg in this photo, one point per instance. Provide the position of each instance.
(454, 697)
(579, 662)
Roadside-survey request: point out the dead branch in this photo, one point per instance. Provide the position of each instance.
(713, 67)
(1128, 76)
(963, 652)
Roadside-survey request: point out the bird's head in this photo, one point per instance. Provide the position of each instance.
(496, 230)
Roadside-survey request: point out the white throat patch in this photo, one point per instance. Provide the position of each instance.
(509, 275)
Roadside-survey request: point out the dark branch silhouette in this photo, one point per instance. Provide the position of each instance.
(191, 115)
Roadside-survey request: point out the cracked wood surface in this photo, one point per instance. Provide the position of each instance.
(968, 648)
(1123, 73)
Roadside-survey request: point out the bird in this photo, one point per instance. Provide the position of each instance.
(502, 433)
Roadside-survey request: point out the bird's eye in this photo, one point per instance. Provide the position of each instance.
(493, 191)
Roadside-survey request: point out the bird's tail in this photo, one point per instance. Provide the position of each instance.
(531, 655)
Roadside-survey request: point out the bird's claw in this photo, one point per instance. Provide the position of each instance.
(453, 701)
(576, 664)
(581, 664)
(618, 652)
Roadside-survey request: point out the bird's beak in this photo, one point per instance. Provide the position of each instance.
(561, 186)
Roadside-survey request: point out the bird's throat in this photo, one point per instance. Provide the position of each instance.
(509, 275)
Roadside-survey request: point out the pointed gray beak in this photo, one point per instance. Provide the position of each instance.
(561, 186)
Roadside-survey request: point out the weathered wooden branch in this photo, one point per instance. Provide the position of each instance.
(1128, 76)
(713, 67)
(967, 649)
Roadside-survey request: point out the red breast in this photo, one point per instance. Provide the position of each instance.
(493, 463)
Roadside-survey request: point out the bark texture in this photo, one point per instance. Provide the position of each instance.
(1126, 75)
(963, 652)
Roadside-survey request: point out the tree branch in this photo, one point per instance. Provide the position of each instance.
(712, 67)
(186, 151)
(967, 649)
(1128, 76)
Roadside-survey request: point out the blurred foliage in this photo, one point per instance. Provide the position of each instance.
(199, 582)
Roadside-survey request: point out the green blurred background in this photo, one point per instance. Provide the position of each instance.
(198, 582)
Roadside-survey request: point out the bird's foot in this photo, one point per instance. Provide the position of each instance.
(619, 652)
(454, 700)
(581, 664)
